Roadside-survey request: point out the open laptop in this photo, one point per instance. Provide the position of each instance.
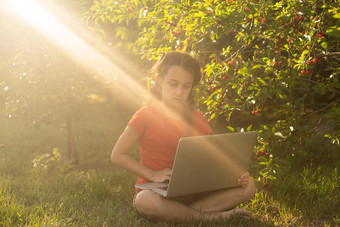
(207, 163)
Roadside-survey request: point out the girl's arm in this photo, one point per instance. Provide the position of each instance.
(120, 156)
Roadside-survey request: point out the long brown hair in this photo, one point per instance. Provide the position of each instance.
(186, 62)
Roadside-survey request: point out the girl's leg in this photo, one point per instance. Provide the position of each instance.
(213, 206)
(225, 199)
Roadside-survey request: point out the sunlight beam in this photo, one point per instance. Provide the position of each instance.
(80, 51)
(91, 59)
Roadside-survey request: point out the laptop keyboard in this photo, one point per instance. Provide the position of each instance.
(164, 188)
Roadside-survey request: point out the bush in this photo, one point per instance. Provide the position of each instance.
(268, 66)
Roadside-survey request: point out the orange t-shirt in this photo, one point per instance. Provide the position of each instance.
(159, 135)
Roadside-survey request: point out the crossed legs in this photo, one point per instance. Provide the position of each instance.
(213, 206)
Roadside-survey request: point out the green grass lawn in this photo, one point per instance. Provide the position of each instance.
(98, 194)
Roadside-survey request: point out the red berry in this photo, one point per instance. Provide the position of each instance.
(213, 88)
(296, 18)
(315, 60)
(303, 71)
(189, 38)
(288, 40)
(308, 63)
(246, 9)
(256, 0)
(316, 19)
(264, 20)
(225, 77)
(231, 31)
(231, 63)
(259, 19)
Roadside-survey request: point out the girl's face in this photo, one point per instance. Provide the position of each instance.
(176, 86)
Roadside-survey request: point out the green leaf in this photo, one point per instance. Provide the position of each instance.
(282, 96)
(264, 163)
(261, 80)
(271, 177)
(258, 66)
(230, 128)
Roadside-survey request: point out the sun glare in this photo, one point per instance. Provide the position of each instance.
(32, 12)
(87, 56)
(81, 52)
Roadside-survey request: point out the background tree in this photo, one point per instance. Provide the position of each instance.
(269, 66)
(40, 83)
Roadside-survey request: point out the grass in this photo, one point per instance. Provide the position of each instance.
(99, 194)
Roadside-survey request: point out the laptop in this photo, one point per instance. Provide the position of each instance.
(207, 163)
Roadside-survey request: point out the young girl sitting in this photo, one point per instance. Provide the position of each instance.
(157, 128)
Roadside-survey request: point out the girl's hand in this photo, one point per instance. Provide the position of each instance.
(243, 179)
(161, 175)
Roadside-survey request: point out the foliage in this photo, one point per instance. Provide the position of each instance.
(38, 82)
(48, 161)
(268, 66)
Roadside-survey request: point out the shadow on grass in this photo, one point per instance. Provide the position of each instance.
(312, 193)
(233, 221)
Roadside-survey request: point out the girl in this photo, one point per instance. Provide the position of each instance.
(157, 128)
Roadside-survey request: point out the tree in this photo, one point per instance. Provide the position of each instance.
(269, 66)
(39, 83)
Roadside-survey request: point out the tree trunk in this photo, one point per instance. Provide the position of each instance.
(72, 140)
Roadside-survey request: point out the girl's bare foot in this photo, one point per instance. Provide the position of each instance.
(225, 214)
(235, 211)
